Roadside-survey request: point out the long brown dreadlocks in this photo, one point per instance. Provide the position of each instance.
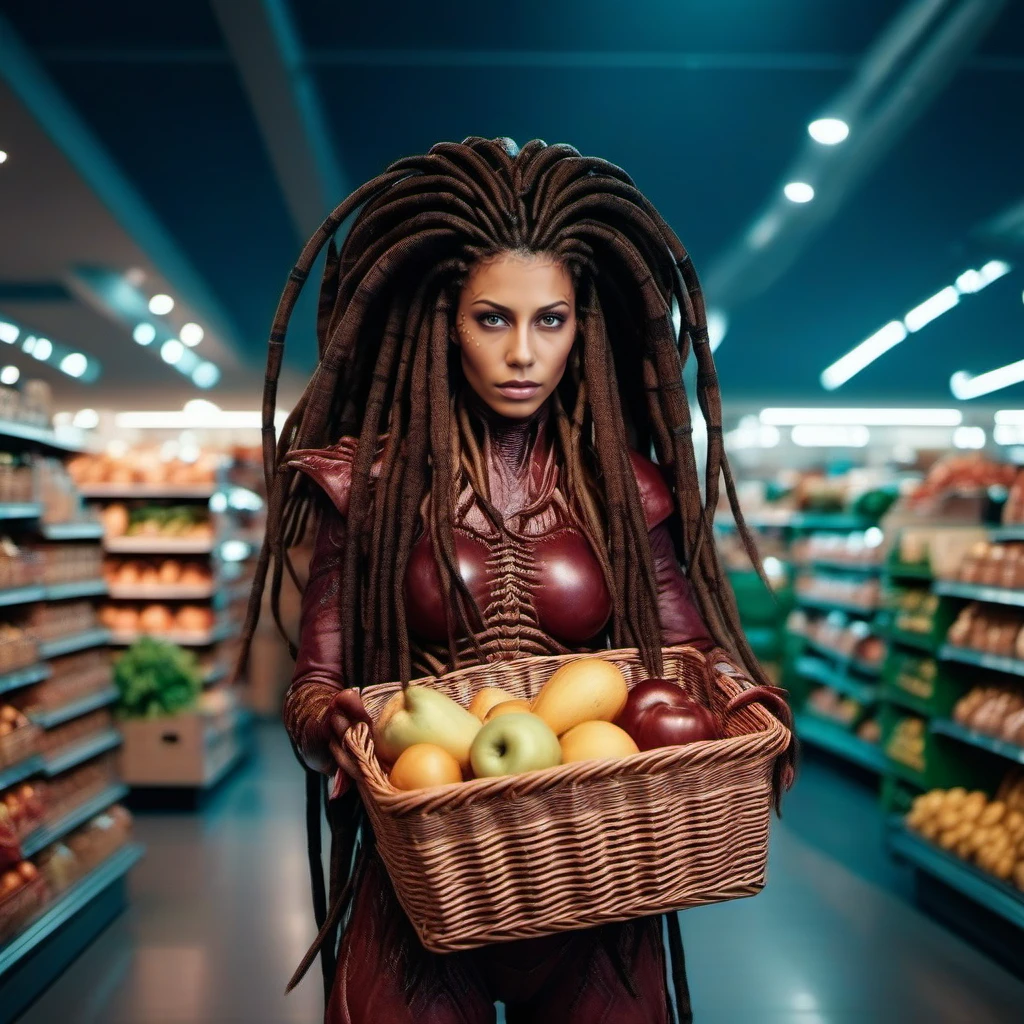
(385, 370)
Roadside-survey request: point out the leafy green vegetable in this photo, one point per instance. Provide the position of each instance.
(156, 678)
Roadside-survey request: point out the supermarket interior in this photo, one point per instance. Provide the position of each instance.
(846, 179)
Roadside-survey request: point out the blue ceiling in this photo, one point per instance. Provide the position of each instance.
(708, 147)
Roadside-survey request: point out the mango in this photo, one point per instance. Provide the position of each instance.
(587, 690)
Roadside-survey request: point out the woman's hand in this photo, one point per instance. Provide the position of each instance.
(345, 711)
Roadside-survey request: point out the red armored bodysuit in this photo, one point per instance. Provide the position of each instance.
(541, 591)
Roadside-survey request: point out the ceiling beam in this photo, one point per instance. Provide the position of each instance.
(897, 80)
(268, 54)
(43, 100)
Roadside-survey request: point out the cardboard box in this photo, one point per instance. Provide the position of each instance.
(180, 750)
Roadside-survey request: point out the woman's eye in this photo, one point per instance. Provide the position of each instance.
(552, 320)
(491, 320)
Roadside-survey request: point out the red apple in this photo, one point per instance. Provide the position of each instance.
(647, 695)
(665, 725)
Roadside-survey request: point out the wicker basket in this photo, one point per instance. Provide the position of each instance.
(584, 843)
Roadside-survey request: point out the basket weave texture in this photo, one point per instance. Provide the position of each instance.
(584, 843)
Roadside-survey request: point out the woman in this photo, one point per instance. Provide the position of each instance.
(497, 349)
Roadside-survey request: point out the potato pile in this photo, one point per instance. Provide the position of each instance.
(986, 832)
(991, 630)
(994, 710)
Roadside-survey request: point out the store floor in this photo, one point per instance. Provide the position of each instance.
(220, 915)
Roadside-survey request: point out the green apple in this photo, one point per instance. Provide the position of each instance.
(509, 744)
(419, 714)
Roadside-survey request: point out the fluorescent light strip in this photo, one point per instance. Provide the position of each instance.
(964, 386)
(791, 417)
(862, 355)
(1011, 416)
(218, 419)
(823, 436)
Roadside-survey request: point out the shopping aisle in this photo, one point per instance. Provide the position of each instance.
(220, 915)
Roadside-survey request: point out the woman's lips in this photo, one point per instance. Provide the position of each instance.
(518, 393)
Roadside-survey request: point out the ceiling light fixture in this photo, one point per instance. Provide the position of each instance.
(205, 375)
(161, 305)
(86, 419)
(144, 334)
(43, 349)
(828, 436)
(171, 351)
(932, 308)
(3, 156)
(9, 375)
(969, 437)
(965, 386)
(799, 192)
(862, 355)
(74, 364)
(9, 333)
(191, 334)
(872, 417)
(829, 131)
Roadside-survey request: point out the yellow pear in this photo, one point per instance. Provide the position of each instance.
(507, 707)
(485, 699)
(587, 690)
(419, 714)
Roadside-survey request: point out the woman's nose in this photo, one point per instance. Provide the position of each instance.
(520, 350)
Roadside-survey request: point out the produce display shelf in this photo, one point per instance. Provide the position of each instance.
(77, 754)
(861, 568)
(40, 435)
(995, 662)
(20, 510)
(24, 677)
(86, 530)
(908, 701)
(160, 545)
(22, 770)
(822, 672)
(171, 592)
(823, 604)
(919, 641)
(836, 739)
(900, 571)
(43, 837)
(75, 899)
(1013, 532)
(75, 588)
(128, 491)
(21, 595)
(181, 638)
(905, 772)
(983, 888)
(976, 592)
(74, 642)
(48, 719)
(947, 727)
(872, 671)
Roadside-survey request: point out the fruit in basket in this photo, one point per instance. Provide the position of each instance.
(511, 744)
(418, 714)
(645, 695)
(587, 690)
(425, 764)
(595, 740)
(667, 725)
(485, 699)
(27, 870)
(508, 707)
(9, 882)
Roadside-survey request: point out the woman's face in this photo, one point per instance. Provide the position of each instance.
(515, 326)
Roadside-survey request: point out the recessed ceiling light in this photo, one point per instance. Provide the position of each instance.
(829, 131)
(160, 305)
(144, 334)
(9, 375)
(74, 364)
(799, 192)
(191, 334)
(86, 419)
(3, 157)
(171, 351)
(205, 375)
(9, 333)
(43, 349)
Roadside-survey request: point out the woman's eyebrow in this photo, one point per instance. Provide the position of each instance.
(508, 312)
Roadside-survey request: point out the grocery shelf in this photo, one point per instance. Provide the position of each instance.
(22, 770)
(861, 568)
(103, 698)
(919, 641)
(170, 592)
(39, 435)
(20, 510)
(74, 588)
(843, 659)
(899, 571)
(21, 595)
(74, 642)
(43, 837)
(155, 545)
(907, 701)
(183, 639)
(836, 739)
(822, 672)
(24, 677)
(976, 592)
(129, 491)
(83, 751)
(995, 662)
(947, 727)
(70, 903)
(984, 889)
(86, 530)
(823, 604)
(1013, 532)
